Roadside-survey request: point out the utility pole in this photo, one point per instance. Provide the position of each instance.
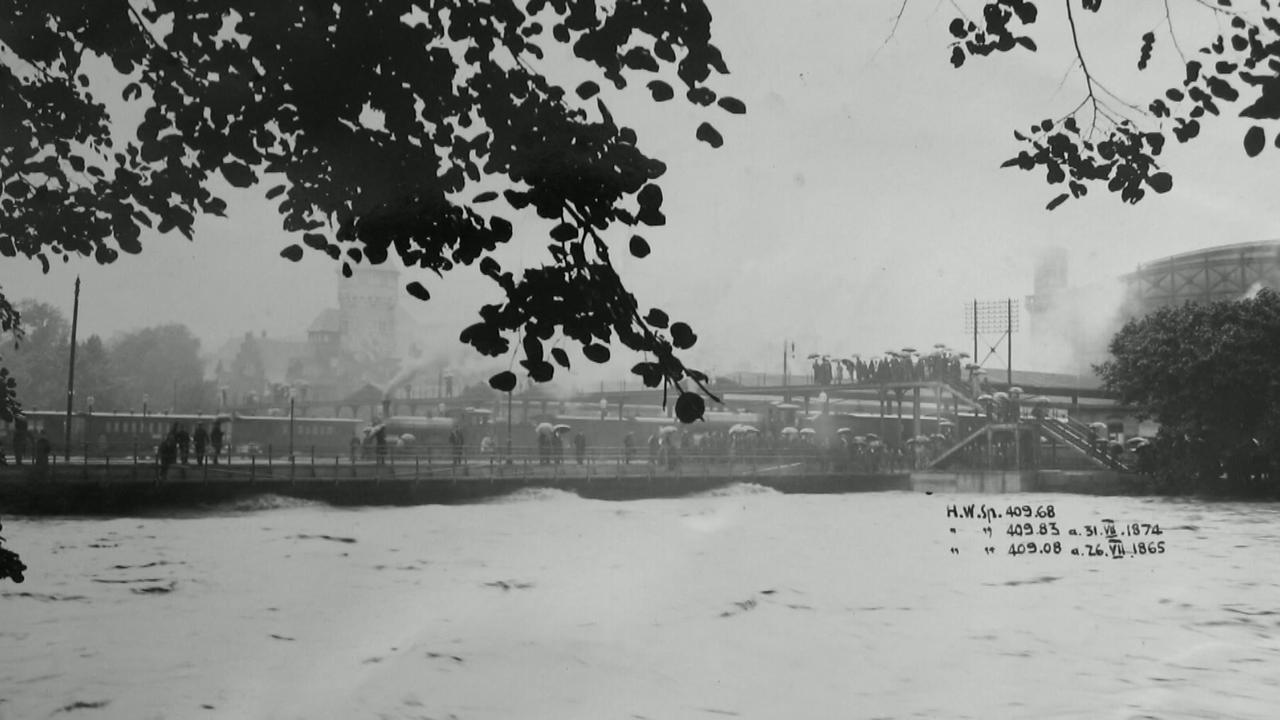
(1009, 347)
(975, 329)
(71, 372)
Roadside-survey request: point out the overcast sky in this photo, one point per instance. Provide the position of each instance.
(855, 208)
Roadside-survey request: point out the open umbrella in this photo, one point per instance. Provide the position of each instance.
(561, 428)
(946, 423)
(667, 430)
(985, 397)
(972, 366)
(1134, 443)
(787, 406)
(908, 350)
(859, 440)
(788, 431)
(808, 431)
(813, 356)
(407, 437)
(545, 428)
(963, 355)
(1015, 390)
(873, 437)
(844, 431)
(939, 346)
(742, 429)
(1001, 396)
(1098, 426)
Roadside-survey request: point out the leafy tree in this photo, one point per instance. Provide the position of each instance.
(382, 127)
(1107, 141)
(94, 377)
(39, 362)
(1207, 374)
(163, 364)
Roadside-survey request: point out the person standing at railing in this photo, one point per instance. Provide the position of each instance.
(201, 438)
(580, 446)
(215, 440)
(43, 450)
(380, 443)
(168, 454)
(184, 444)
(628, 447)
(19, 438)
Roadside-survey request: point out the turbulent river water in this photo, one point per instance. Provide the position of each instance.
(740, 603)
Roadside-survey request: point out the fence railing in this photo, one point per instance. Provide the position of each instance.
(425, 463)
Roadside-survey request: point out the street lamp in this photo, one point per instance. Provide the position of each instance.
(290, 423)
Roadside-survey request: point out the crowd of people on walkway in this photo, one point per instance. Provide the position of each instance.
(178, 444)
(892, 367)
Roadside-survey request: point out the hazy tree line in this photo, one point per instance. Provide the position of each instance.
(160, 365)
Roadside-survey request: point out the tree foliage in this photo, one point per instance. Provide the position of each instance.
(1207, 374)
(38, 363)
(388, 127)
(1106, 141)
(160, 363)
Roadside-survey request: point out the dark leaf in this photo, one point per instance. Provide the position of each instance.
(690, 407)
(656, 318)
(1057, 201)
(293, 252)
(1254, 140)
(1160, 182)
(238, 174)
(416, 289)
(596, 353)
(639, 246)
(661, 91)
(682, 336)
(504, 381)
(564, 232)
(733, 105)
(709, 135)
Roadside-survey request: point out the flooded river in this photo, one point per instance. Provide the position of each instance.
(742, 603)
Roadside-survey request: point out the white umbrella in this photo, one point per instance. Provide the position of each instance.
(544, 428)
(562, 428)
(808, 431)
(408, 437)
(789, 431)
(667, 430)
(845, 431)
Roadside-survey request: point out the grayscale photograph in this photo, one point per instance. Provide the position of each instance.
(639, 359)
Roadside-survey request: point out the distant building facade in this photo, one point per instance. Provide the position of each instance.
(364, 339)
(1227, 272)
(1071, 326)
